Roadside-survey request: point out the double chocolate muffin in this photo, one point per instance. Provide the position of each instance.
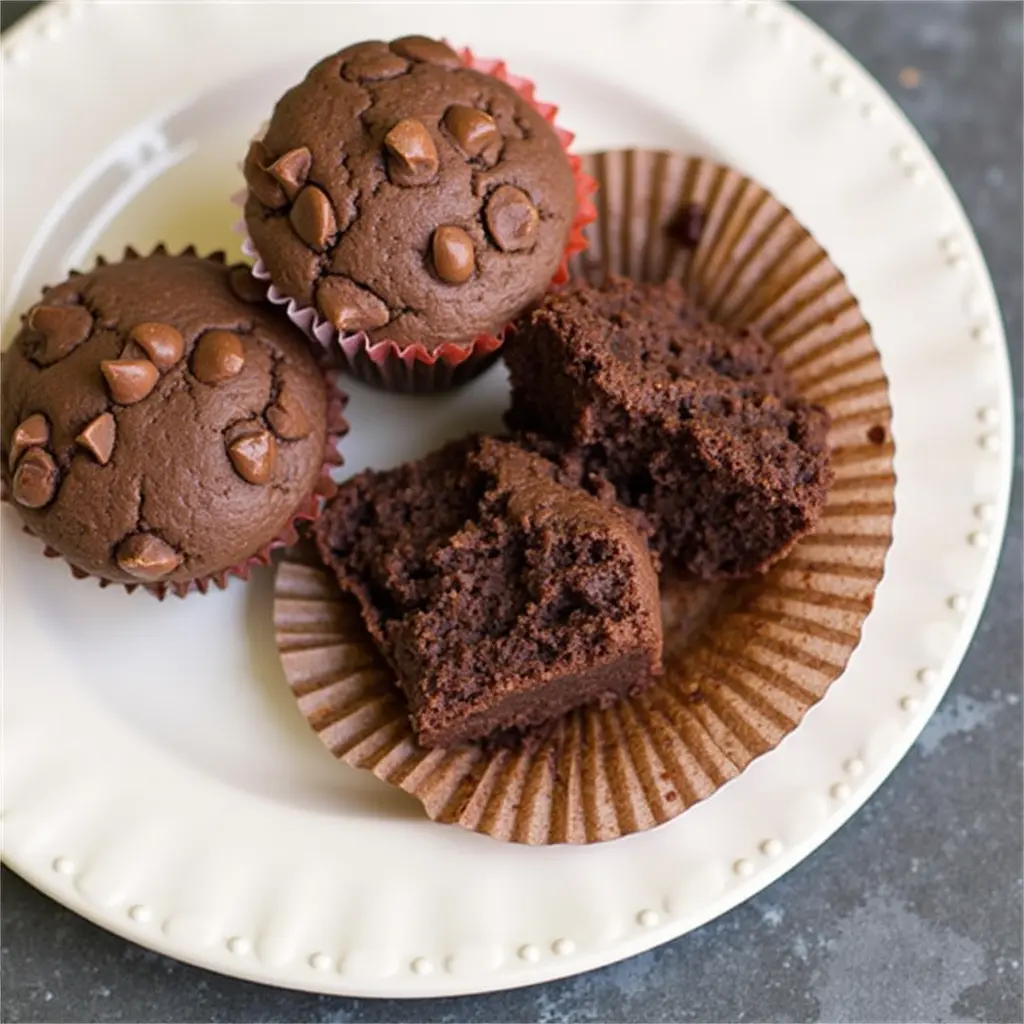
(409, 197)
(161, 423)
(697, 427)
(501, 598)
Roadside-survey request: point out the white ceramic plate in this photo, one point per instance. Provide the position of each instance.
(157, 777)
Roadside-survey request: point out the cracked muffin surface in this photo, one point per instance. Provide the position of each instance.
(408, 196)
(160, 421)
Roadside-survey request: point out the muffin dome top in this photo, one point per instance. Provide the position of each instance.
(409, 196)
(160, 422)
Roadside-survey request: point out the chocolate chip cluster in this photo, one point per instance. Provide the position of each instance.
(411, 157)
(408, 196)
(80, 350)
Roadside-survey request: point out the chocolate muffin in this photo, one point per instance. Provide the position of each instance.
(408, 196)
(500, 597)
(161, 423)
(698, 427)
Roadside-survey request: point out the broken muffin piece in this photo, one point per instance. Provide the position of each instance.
(501, 598)
(634, 392)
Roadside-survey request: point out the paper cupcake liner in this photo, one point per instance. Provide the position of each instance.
(413, 368)
(309, 511)
(743, 661)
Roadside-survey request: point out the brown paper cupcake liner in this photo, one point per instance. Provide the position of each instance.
(413, 368)
(309, 511)
(743, 661)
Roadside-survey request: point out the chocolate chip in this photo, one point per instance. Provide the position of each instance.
(129, 380)
(287, 418)
(367, 48)
(350, 307)
(98, 437)
(35, 480)
(161, 342)
(253, 456)
(244, 285)
(33, 431)
(876, 434)
(60, 330)
(291, 169)
(218, 357)
(453, 254)
(473, 130)
(687, 225)
(374, 67)
(427, 51)
(146, 557)
(412, 155)
(261, 183)
(512, 219)
(313, 219)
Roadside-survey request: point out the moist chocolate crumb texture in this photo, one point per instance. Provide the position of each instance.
(501, 598)
(696, 427)
(160, 422)
(407, 196)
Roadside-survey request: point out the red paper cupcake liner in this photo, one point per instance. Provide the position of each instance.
(308, 512)
(413, 368)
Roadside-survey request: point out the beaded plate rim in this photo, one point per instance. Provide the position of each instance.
(201, 928)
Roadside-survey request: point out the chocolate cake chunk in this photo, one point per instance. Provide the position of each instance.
(408, 196)
(698, 427)
(501, 598)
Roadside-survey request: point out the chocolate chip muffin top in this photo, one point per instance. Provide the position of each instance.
(408, 196)
(160, 421)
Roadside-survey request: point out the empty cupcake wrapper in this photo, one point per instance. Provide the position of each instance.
(413, 368)
(308, 511)
(743, 662)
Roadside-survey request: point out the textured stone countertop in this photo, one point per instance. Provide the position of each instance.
(912, 912)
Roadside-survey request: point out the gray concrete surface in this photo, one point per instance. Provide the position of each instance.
(912, 912)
